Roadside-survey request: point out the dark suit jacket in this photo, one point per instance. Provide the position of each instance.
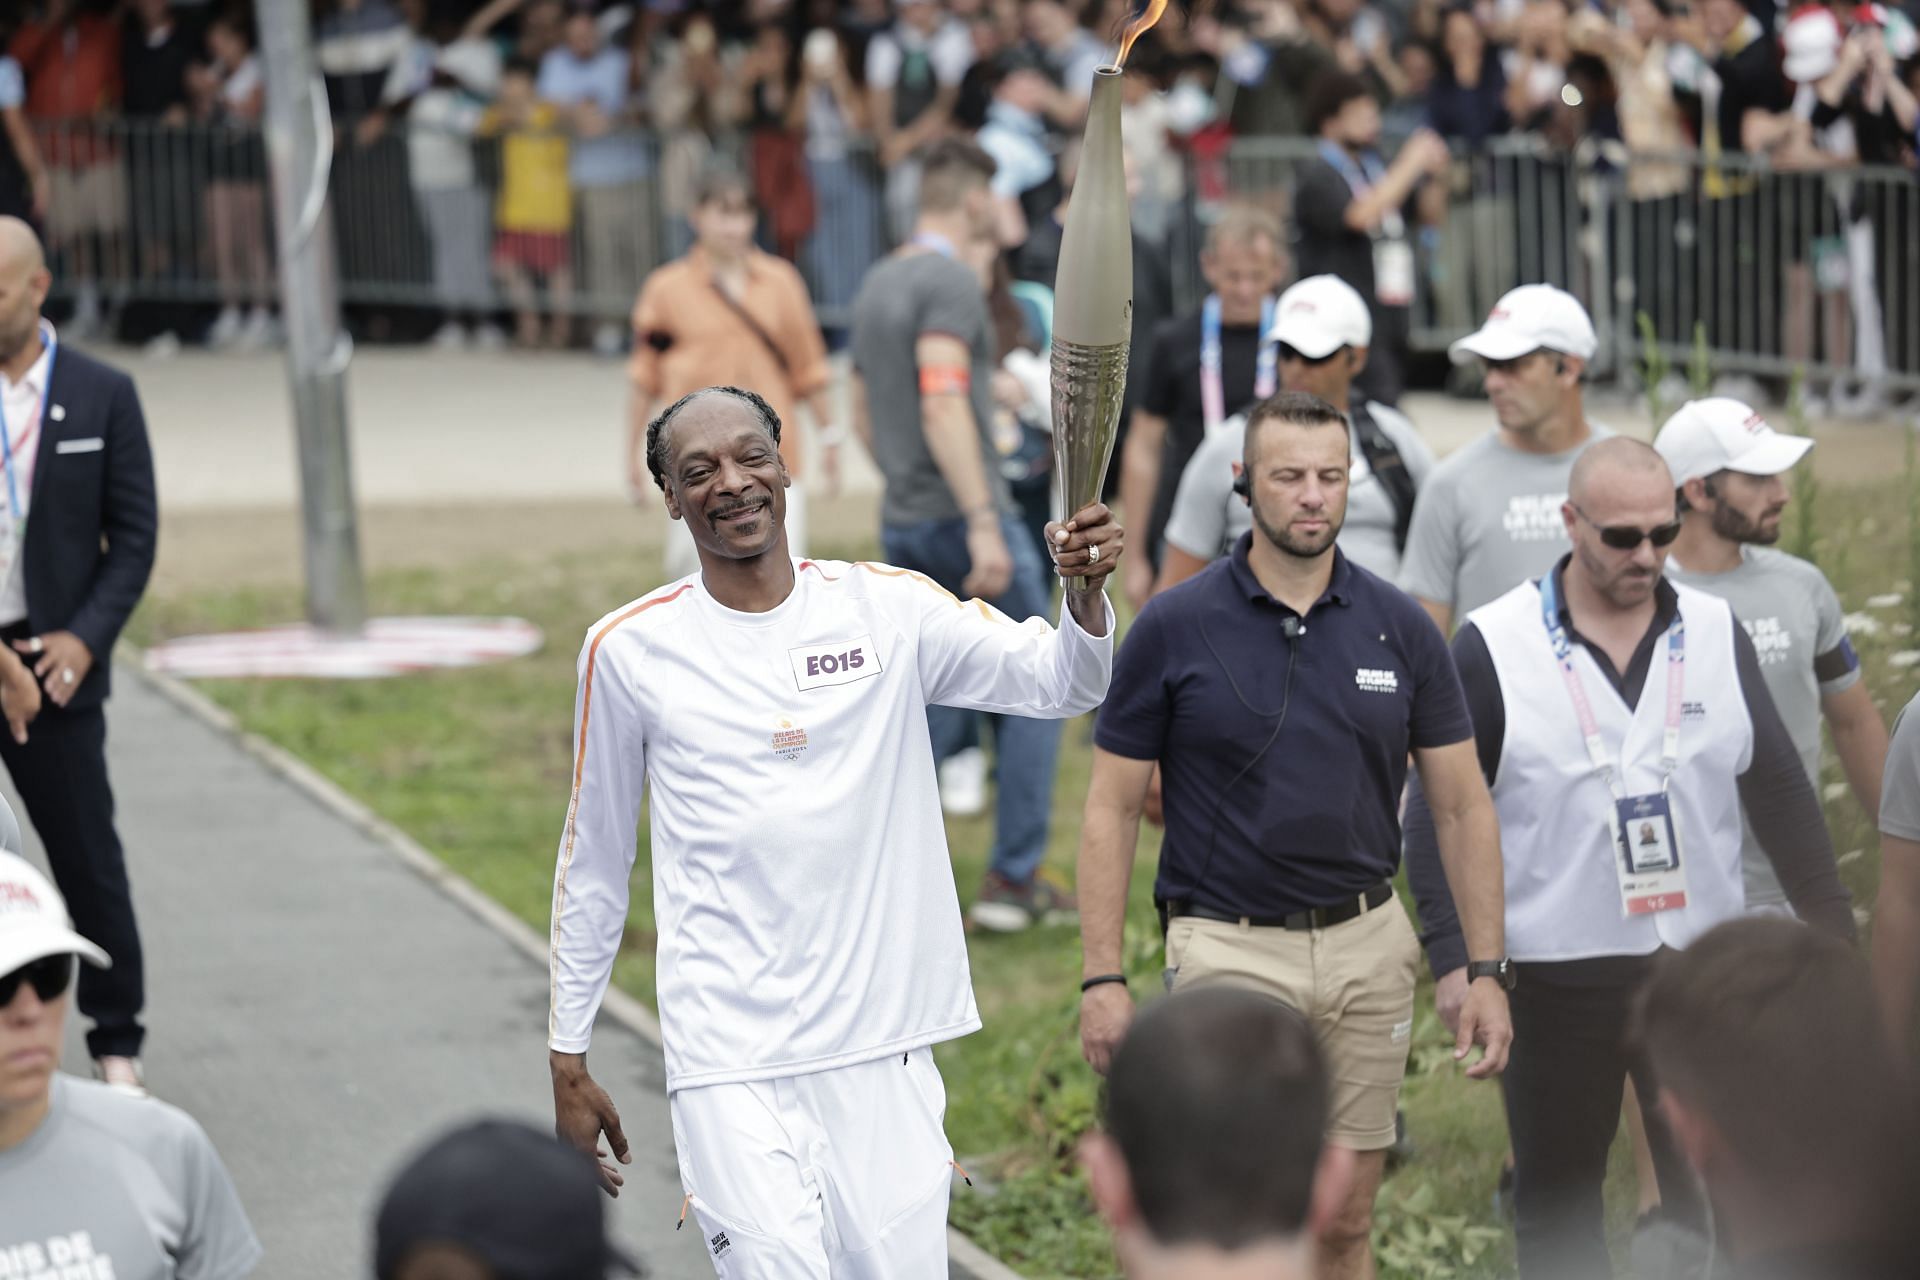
(93, 521)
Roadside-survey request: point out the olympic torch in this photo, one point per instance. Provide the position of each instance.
(1093, 308)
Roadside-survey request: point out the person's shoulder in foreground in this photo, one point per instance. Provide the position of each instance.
(123, 1171)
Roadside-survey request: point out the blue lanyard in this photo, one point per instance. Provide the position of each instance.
(1362, 174)
(1213, 395)
(1583, 709)
(6, 434)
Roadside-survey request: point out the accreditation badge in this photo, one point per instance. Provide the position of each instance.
(1647, 856)
(1393, 271)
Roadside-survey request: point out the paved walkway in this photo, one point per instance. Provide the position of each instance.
(323, 1010)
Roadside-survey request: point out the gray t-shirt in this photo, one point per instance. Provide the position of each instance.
(1800, 633)
(1208, 517)
(1487, 520)
(115, 1187)
(1900, 789)
(903, 299)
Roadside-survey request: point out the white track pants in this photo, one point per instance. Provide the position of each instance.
(836, 1175)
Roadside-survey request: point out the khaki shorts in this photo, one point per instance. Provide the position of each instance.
(1354, 983)
(86, 200)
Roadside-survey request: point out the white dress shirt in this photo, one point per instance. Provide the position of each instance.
(22, 403)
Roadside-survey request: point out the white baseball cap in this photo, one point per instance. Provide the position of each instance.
(1320, 315)
(1812, 42)
(1530, 318)
(1706, 436)
(34, 922)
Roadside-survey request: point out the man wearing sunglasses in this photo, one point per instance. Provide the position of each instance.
(1603, 696)
(96, 1180)
(1489, 518)
(1322, 330)
(1731, 468)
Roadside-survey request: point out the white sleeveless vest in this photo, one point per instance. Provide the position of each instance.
(1563, 895)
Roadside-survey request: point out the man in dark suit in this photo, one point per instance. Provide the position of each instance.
(77, 532)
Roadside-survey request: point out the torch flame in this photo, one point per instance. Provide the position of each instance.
(1140, 26)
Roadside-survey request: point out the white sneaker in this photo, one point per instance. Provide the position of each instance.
(259, 332)
(162, 346)
(608, 340)
(963, 783)
(226, 329)
(124, 1074)
(489, 337)
(451, 336)
(85, 320)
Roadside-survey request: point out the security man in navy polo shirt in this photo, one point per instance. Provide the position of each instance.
(1280, 691)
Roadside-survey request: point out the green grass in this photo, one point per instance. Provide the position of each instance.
(475, 765)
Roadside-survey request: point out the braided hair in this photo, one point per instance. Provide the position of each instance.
(657, 429)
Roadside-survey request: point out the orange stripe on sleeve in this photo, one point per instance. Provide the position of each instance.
(579, 772)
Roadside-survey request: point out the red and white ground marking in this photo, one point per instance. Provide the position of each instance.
(388, 647)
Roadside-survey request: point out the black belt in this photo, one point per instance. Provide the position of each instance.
(1312, 918)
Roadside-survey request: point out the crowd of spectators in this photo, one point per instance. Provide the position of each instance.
(540, 156)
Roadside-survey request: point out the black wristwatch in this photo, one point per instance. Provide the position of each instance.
(1501, 971)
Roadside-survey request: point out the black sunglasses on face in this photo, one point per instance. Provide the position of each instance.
(50, 976)
(1625, 537)
(1295, 354)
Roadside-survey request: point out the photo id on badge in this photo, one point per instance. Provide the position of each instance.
(1648, 856)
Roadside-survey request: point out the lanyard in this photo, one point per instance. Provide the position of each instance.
(1361, 175)
(1213, 395)
(6, 435)
(1583, 709)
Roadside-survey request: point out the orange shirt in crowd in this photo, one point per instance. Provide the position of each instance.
(73, 74)
(686, 336)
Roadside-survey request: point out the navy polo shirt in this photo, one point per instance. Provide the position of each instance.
(1198, 686)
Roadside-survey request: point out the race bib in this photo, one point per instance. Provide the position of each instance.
(841, 662)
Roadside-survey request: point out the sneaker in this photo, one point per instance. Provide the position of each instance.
(163, 346)
(451, 336)
(85, 321)
(963, 783)
(124, 1074)
(608, 340)
(1006, 907)
(226, 329)
(259, 332)
(1663, 1247)
(489, 337)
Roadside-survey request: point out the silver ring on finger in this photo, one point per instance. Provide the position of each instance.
(66, 675)
(1093, 553)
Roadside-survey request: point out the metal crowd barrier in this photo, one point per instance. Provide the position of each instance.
(1778, 270)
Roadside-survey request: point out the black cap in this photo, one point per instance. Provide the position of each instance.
(526, 1205)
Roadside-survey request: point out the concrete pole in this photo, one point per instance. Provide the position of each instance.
(299, 139)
